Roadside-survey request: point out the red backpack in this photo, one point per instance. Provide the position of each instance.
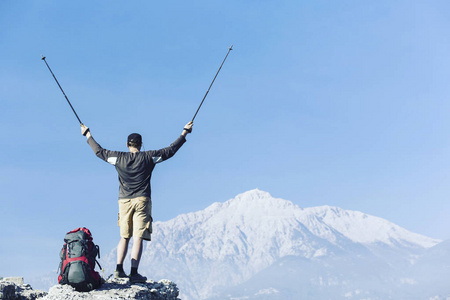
(78, 258)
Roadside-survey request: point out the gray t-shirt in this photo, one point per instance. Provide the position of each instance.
(135, 169)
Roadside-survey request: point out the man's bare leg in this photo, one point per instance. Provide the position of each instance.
(136, 252)
(122, 249)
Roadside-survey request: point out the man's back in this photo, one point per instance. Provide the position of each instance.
(135, 168)
(135, 172)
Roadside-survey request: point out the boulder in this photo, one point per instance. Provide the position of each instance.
(118, 289)
(15, 289)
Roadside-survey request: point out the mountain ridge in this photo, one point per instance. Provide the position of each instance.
(313, 217)
(227, 243)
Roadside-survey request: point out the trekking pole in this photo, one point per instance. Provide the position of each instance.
(229, 49)
(43, 58)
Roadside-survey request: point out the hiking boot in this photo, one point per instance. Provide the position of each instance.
(138, 278)
(120, 274)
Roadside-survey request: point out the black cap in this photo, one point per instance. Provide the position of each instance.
(135, 138)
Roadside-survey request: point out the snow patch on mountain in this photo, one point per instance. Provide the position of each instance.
(362, 228)
(260, 211)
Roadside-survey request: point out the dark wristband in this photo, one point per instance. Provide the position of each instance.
(86, 132)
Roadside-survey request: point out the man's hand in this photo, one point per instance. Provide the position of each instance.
(187, 128)
(85, 131)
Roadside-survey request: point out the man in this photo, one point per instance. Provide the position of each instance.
(135, 170)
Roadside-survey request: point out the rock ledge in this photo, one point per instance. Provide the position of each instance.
(13, 288)
(116, 289)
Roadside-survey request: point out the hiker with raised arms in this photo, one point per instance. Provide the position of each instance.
(135, 171)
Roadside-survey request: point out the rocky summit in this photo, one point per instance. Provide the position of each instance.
(116, 289)
(14, 288)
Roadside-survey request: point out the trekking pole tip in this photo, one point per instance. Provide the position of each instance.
(43, 57)
(231, 47)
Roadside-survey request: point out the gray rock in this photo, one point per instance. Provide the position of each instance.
(115, 289)
(16, 290)
(118, 289)
(16, 280)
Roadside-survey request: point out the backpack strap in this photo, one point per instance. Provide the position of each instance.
(99, 265)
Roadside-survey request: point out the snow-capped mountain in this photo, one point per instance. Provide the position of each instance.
(258, 247)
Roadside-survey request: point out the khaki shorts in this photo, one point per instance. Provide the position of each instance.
(135, 217)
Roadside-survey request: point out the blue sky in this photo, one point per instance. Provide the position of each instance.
(341, 103)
